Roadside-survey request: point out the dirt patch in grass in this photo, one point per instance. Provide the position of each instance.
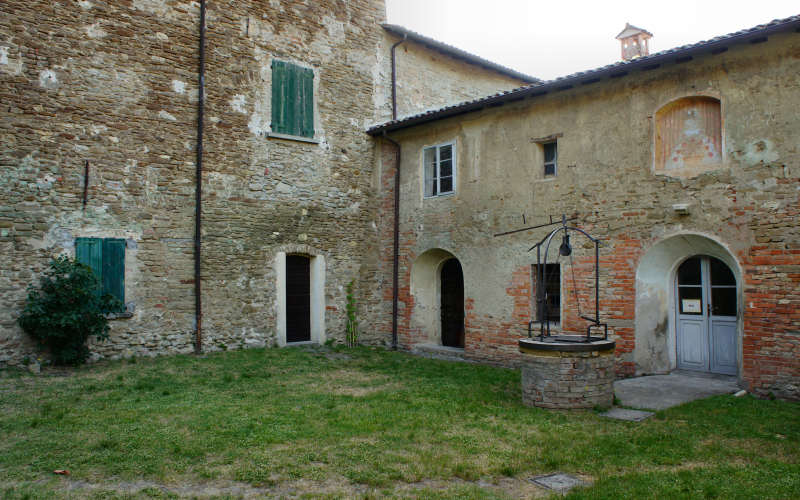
(507, 486)
(214, 489)
(348, 382)
(332, 486)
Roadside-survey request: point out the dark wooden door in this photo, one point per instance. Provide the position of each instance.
(298, 298)
(452, 304)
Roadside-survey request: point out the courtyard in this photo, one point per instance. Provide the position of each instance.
(329, 422)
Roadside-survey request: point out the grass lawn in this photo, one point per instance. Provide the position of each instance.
(364, 423)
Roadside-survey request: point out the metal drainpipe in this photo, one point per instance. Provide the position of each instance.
(396, 230)
(198, 208)
(394, 81)
(396, 244)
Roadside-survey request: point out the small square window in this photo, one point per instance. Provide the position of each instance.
(439, 169)
(550, 158)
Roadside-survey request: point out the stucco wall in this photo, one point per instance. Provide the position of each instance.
(429, 79)
(748, 202)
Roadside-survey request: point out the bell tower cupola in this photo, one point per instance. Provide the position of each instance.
(634, 42)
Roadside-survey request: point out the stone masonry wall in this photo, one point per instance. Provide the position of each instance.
(112, 83)
(746, 207)
(568, 380)
(115, 83)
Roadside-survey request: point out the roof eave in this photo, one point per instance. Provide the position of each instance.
(458, 53)
(593, 76)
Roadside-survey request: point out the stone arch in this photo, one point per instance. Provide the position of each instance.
(317, 290)
(655, 316)
(426, 290)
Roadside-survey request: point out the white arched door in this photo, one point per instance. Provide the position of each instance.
(706, 311)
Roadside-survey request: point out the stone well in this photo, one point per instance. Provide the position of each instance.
(561, 372)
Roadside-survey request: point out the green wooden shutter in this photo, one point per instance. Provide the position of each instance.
(280, 97)
(292, 99)
(306, 98)
(89, 251)
(114, 267)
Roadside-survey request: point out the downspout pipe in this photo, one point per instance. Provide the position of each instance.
(396, 243)
(394, 82)
(198, 192)
(396, 229)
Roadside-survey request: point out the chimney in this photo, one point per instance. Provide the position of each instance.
(634, 42)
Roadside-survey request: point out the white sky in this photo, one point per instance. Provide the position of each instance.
(550, 38)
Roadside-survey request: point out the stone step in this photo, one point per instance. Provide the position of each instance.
(435, 351)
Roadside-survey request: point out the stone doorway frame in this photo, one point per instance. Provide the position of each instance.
(317, 265)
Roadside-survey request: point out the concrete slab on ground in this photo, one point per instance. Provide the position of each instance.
(559, 482)
(658, 392)
(626, 414)
(439, 352)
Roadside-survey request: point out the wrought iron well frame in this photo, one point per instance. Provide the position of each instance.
(541, 267)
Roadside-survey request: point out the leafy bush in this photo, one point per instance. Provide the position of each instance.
(66, 310)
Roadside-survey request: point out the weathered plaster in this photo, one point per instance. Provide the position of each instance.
(747, 203)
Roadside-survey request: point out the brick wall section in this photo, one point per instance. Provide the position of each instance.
(494, 339)
(772, 320)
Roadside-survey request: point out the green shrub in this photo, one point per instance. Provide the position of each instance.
(66, 310)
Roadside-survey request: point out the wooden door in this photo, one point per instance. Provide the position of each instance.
(298, 298)
(452, 304)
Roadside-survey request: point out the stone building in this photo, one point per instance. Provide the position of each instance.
(684, 163)
(99, 128)
(669, 156)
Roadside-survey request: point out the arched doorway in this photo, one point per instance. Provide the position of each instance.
(706, 306)
(452, 304)
(437, 288)
(663, 323)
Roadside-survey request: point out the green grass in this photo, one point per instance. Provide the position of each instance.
(334, 423)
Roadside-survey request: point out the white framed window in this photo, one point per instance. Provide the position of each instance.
(439, 168)
(550, 158)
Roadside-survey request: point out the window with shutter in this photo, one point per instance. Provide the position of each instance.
(292, 100)
(106, 257)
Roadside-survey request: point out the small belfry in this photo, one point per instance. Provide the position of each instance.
(634, 42)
